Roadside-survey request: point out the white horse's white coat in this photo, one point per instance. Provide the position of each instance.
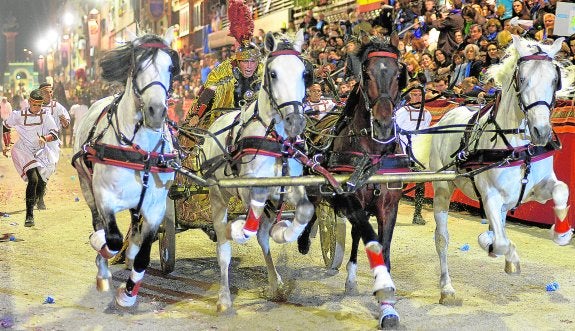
(111, 189)
(500, 187)
(286, 83)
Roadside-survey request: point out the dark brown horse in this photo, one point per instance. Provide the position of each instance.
(365, 144)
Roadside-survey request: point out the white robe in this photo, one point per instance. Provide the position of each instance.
(27, 152)
(56, 110)
(407, 117)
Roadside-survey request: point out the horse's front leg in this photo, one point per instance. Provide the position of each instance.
(241, 231)
(286, 231)
(219, 208)
(501, 245)
(142, 237)
(442, 196)
(351, 267)
(107, 241)
(274, 279)
(562, 229)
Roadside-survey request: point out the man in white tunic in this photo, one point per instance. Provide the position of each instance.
(30, 154)
(61, 117)
(408, 118)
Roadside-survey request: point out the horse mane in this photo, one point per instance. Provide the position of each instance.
(117, 63)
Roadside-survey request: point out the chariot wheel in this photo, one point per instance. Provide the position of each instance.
(167, 238)
(331, 233)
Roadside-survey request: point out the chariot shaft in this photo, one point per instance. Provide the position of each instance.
(406, 177)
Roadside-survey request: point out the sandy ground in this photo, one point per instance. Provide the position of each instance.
(54, 259)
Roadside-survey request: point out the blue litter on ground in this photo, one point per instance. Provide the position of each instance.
(76, 199)
(464, 248)
(6, 322)
(49, 299)
(552, 287)
(5, 215)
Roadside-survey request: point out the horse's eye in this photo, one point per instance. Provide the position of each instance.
(273, 74)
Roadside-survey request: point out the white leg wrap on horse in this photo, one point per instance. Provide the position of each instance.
(98, 242)
(485, 240)
(285, 231)
(293, 232)
(382, 279)
(137, 276)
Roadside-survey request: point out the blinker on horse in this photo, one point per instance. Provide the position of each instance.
(121, 154)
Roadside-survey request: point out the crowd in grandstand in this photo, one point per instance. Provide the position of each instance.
(444, 48)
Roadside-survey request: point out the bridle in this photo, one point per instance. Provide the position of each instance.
(135, 69)
(369, 104)
(539, 56)
(267, 86)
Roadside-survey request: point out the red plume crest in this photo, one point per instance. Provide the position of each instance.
(241, 22)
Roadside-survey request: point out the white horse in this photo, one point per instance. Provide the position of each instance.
(517, 136)
(258, 135)
(121, 153)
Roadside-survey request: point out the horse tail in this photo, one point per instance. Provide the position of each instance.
(421, 146)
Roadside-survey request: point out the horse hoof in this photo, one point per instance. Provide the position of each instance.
(449, 299)
(123, 298)
(512, 268)
(388, 318)
(102, 284)
(222, 308)
(303, 244)
(418, 220)
(351, 289)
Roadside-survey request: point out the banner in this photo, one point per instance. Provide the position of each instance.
(564, 19)
(368, 5)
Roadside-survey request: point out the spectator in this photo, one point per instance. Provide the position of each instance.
(449, 23)
(493, 28)
(77, 113)
(316, 105)
(473, 65)
(442, 64)
(414, 69)
(5, 111)
(548, 26)
(428, 67)
(458, 71)
(520, 11)
(493, 55)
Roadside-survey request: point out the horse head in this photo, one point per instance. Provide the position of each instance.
(537, 78)
(147, 66)
(380, 84)
(286, 75)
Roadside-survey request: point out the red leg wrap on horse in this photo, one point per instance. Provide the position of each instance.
(136, 289)
(375, 258)
(562, 226)
(252, 222)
